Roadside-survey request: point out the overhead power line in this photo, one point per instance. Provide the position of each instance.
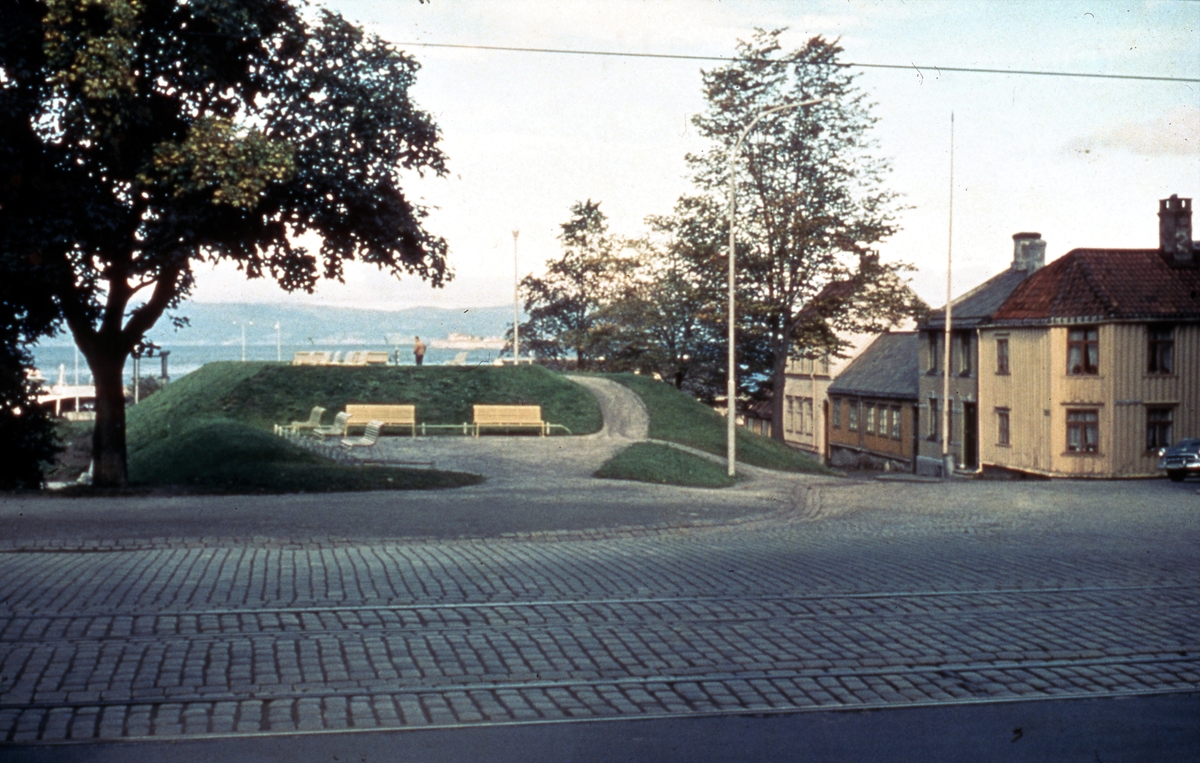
(848, 64)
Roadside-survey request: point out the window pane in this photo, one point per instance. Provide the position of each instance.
(1075, 360)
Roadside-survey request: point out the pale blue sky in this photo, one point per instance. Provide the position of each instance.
(1083, 161)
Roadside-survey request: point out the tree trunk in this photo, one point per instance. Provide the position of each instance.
(109, 468)
(778, 383)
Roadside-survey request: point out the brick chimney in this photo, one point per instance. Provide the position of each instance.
(1175, 230)
(1029, 252)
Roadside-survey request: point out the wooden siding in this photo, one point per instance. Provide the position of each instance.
(1039, 392)
(883, 445)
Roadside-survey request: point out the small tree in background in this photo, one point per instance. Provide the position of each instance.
(570, 307)
(140, 138)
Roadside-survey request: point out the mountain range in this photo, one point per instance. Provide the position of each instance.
(221, 323)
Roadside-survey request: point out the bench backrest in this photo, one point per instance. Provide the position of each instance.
(387, 414)
(508, 414)
(372, 433)
(314, 417)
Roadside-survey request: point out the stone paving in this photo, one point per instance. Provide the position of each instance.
(861, 595)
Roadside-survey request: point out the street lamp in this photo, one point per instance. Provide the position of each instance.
(731, 388)
(243, 325)
(516, 304)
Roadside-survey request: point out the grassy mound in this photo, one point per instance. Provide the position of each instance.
(664, 465)
(263, 394)
(219, 455)
(676, 417)
(210, 430)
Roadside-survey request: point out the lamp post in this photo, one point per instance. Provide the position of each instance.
(731, 388)
(516, 304)
(243, 325)
(278, 344)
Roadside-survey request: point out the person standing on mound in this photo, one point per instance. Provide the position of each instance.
(419, 350)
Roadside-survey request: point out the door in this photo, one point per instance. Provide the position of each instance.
(970, 436)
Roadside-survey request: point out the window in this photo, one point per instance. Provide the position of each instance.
(1002, 431)
(935, 416)
(870, 418)
(932, 345)
(1083, 431)
(1162, 348)
(809, 425)
(896, 421)
(836, 406)
(1002, 355)
(801, 426)
(852, 424)
(1083, 352)
(964, 353)
(790, 417)
(824, 365)
(1158, 428)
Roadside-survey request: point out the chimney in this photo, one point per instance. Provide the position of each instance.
(1029, 252)
(1175, 229)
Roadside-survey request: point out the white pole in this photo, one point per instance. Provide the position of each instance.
(731, 384)
(947, 459)
(243, 343)
(278, 344)
(516, 303)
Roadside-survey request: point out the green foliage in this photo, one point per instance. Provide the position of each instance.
(811, 208)
(141, 137)
(570, 307)
(676, 417)
(664, 465)
(261, 395)
(27, 438)
(219, 455)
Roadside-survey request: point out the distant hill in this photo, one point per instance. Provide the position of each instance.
(215, 324)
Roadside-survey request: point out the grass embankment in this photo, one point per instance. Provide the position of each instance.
(676, 417)
(211, 429)
(664, 465)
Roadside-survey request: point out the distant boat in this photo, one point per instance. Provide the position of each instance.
(467, 342)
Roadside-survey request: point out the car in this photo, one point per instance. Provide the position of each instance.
(1180, 460)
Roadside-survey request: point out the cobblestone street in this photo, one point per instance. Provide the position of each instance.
(859, 595)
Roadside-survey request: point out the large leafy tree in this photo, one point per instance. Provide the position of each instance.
(140, 138)
(812, 206)
(570, 308)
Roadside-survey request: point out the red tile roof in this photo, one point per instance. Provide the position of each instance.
(1105, 284)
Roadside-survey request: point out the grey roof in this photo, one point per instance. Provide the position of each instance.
(888, 368)
(980, 303)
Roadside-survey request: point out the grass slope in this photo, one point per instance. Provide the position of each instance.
(676, 417)
(209, 430)
(263, 394)
(219, 455)
(664, 465)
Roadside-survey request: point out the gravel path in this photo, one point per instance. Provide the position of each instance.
(525, 460)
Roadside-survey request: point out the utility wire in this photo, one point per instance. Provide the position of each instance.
(968, 70)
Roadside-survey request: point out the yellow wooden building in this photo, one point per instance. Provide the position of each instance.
(1093, 363)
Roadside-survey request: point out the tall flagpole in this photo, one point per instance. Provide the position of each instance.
(947, 459)
(516, 303)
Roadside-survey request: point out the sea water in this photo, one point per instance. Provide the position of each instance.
(187, 358)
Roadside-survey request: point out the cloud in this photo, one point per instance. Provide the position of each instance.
(1175, 133)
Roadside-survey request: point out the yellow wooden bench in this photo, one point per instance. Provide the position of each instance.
(386, 415)
(509, 417)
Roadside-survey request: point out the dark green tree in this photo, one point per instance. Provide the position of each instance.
(140, 138)
(569, 308)
(811, 207)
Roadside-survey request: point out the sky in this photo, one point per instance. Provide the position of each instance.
(1082, 161)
